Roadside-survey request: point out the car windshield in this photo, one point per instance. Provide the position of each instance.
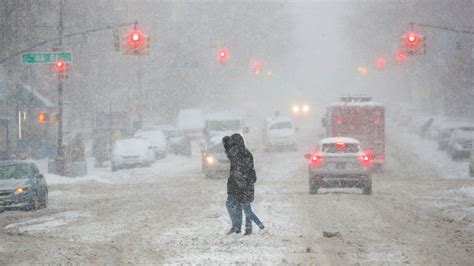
(15, 171)
(281, 125)
(340, 148)
(218, 148)
(223, 125)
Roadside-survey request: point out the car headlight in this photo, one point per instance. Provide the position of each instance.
(21, 190)
(209, 159)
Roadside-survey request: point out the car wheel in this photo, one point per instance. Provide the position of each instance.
(34, 203)
(313, 185)
(367, 189)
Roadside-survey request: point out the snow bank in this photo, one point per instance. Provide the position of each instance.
(170, 166)
(45, 223)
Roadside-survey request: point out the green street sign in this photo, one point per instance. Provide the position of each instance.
(45, 58)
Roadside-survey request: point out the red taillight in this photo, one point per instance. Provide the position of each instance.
(315, 159)
(366, 158)
(340, 145)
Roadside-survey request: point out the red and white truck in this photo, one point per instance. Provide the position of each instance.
(360, 118)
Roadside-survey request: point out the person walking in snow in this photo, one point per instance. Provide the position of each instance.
(233, 206)
(243, 176)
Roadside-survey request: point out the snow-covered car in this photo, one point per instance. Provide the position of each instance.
(221, 124)
(127, 153)
(191, 122)
(22, 186)
(339, 162)
(214, 160)
(460, 143)
(445, 130)
(280, 133)
(157, 139)
(177, 142)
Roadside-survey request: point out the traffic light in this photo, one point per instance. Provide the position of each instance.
(42, 117)
(59, 66)
(412, 43)
(380, 62)
(400, 56)
(255, 64)
(136, 43)
(222, 54)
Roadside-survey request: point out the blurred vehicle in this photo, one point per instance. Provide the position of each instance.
(444, 131)
(460, 143)
(300, 109)
(214, 160)
(177, 142)
(360, 118)
(222, 124)
(157, 139)
(22, 186)
(339, 162)
(191, 122)
(280, 133)
(132, 152)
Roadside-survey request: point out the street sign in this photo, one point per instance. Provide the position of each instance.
(45, 58)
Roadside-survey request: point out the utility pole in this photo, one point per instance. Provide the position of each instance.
(139, 99)
(60, 160)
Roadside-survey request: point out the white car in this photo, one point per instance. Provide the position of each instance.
(280, 133)
(460, 143)
(339, 162)
(131, 152)
(214, 159)
(157, 139)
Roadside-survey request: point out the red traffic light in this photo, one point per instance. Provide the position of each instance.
(222, 55)
(255, 64)
(59, 66)
(380, 62)
(400, 56)
(135, 38)
(411, 38)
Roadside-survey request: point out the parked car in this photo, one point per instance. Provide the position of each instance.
(133, 152)
(177, 142)
(460, 143)
(339, 162)
(157, 139)
(214, 160)
(445, 130)
(22, 186)
(280, 133)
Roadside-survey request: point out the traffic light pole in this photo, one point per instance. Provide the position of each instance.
(60, 160)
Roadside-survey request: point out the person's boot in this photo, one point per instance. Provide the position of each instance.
(248, 232)
(261, 226)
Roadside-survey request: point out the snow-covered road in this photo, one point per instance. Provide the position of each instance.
(420, 213)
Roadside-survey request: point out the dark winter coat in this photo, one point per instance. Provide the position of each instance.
(242, 172)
